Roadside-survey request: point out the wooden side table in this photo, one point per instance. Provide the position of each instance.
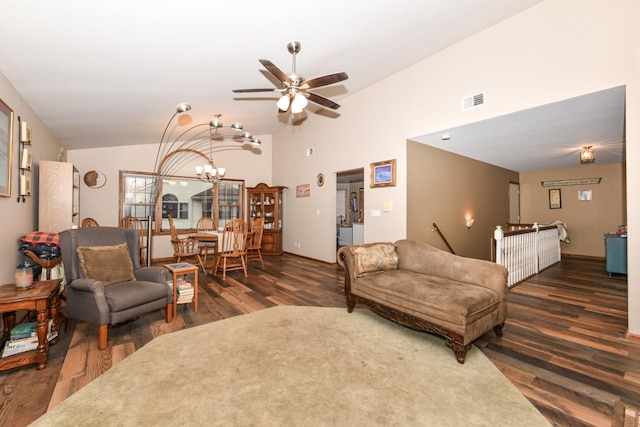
(43, 298)
(183, 269)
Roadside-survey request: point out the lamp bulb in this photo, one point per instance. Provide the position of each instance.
(283, 103)
(299, 102)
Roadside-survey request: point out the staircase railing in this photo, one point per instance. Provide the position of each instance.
(527, 251)
(435, 228)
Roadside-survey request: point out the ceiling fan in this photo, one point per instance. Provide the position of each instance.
(295, 88)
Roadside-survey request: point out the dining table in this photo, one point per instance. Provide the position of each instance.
(210, 239)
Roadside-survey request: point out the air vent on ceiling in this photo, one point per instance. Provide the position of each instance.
(473, 101)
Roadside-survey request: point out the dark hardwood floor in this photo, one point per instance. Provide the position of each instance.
(564, 345)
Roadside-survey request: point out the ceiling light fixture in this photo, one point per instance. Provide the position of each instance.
(587, 155)
(295, 88)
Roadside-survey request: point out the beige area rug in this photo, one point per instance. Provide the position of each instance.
(293, 366)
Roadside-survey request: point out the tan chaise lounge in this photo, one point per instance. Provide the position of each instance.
(427, 289)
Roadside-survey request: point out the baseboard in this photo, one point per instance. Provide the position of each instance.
(589, 257)
(311, 259)
(633, 337)
(165, 260)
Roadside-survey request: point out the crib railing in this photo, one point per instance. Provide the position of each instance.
(526, 251)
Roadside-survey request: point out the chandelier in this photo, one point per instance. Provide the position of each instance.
(175, 154)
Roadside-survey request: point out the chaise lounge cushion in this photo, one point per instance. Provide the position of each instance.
(429, 297)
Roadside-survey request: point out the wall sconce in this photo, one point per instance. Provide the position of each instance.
(587, 155)
(469, 222)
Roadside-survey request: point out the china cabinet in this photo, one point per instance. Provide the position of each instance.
(265, 201)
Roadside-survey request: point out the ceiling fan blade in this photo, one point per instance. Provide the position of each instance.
(274, 70)
(253, 90)
(324, 80)
(325, 102)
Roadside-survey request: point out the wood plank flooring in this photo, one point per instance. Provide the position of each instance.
(564, 345)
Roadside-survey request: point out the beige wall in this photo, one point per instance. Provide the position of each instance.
(21, 218)
(556, 50)
(587, 221)
(553, 51)
(254, 166)
(446, 189)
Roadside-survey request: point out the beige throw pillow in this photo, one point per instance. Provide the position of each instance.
(110, 264)
(375, 257)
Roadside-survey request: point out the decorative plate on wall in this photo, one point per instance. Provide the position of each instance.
(95, 179)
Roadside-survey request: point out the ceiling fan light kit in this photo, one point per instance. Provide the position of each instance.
(295, 88)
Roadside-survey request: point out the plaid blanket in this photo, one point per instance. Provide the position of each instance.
(41, 238)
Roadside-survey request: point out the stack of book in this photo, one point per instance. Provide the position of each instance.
(24, 337)
(184, 290)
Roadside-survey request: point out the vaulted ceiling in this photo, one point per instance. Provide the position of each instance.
(111, 73)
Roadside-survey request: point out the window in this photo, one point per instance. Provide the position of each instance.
(185, 199)
(136, 193)
(172, 206)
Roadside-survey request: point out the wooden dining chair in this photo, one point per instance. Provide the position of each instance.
(184, 248)
(254, 241)
(89, 222)
(232, 252)
(206, 225)
(136, 224)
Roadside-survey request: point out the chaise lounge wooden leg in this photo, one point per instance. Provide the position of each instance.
(498, 329)
(351, 303)
(459, 349)
(102, 336)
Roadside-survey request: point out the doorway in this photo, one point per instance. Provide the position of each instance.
(350, 207)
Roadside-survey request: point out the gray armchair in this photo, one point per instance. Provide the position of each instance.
(105, 283)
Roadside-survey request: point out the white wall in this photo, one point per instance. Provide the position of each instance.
(102, 204)
(21, 218)
(556, 50)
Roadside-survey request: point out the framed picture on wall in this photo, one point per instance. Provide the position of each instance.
(6, 144)
(555, 198)
(584, 195)
(383, 174)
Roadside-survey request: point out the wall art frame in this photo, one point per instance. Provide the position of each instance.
(6, 148)
(383, 174)
(584, 195)
(303, 190)
(555, 198)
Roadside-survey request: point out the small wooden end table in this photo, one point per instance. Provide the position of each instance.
(43, 298)
(183, 269)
